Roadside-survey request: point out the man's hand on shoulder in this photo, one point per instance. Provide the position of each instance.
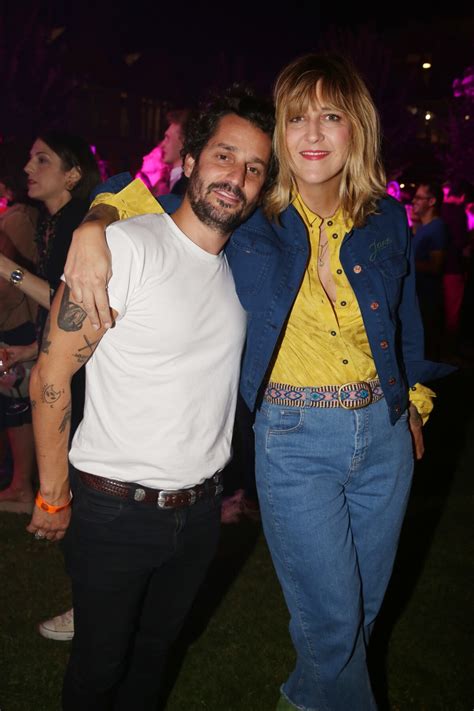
(88, 268)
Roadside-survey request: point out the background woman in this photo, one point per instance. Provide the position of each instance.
(61, 173)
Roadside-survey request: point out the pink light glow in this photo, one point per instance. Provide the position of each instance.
(155, 172)
(465, 86)
(393, 189)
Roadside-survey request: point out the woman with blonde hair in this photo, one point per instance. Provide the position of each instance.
(334, 455)
(334, 350)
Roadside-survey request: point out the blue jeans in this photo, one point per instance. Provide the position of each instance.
(333, 486)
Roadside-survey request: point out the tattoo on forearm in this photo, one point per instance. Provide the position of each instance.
(66, 418)
(71, 316)
(33, 404)
(83, 354)
(49, 395)
(45, 342)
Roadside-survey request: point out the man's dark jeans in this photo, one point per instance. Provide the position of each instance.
(135, 571)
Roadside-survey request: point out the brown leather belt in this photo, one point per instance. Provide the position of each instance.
(162, 498)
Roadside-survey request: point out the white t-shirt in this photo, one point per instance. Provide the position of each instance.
(162, 384)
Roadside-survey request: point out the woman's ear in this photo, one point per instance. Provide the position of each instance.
(73, 177)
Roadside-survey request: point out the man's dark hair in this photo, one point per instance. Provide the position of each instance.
(238, 100)
(435, 189)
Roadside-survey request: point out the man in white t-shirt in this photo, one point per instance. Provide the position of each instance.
(158, 418)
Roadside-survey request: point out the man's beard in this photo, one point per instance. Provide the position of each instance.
(218, 217)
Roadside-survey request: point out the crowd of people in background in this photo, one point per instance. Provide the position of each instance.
(441, 218)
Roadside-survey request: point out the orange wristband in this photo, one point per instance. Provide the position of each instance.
(44, 506)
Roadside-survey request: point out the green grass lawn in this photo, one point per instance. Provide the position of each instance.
(235, 650)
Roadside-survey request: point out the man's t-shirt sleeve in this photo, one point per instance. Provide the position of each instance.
(128, 257)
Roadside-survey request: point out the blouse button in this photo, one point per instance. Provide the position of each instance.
(374, 305)
(343, 303)
(345, 361)
(357, 269)
(329, 223)
(335, 235)
(333, 333)
(339, 271)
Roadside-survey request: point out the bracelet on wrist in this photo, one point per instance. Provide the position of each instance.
(48, 508)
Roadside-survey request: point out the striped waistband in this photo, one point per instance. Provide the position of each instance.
(350, 396)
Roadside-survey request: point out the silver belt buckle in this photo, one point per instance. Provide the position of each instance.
(361, 383)
(161, 502)
(163, 494)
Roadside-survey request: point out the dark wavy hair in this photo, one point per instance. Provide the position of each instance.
(239, 100)
(74, 152)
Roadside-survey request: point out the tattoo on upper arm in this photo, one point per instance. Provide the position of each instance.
(71, 316)
(66, 417)
(83, 354)
(45, 342)
(49, 395)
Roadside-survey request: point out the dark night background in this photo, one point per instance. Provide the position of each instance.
(110, 71)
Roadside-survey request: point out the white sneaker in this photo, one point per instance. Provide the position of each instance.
(60, 628)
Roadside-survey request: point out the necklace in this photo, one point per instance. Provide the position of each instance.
(322, 250)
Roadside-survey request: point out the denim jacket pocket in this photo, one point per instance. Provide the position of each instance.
(393, 267)
(392, 270)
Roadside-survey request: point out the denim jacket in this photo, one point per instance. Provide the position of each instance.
(268, 261)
